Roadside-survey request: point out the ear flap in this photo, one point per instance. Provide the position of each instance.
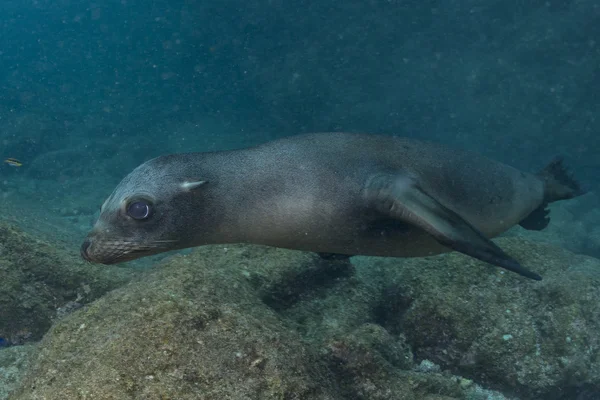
(190, 186)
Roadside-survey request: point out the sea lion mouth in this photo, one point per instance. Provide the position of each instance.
(117, 251)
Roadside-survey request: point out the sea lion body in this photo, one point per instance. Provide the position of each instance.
(330, 192)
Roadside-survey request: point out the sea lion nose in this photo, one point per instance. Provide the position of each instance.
(84, 249)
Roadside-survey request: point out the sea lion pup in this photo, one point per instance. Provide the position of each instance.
(339, 193)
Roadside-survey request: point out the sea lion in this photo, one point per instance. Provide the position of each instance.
(339, 193)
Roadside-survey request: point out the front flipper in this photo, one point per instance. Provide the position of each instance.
(400, 197)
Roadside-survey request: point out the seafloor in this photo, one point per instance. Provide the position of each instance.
(249, 322)
(89, 91)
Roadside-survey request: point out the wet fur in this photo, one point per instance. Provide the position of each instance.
(306, 192)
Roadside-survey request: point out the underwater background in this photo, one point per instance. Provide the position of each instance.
(89, 90)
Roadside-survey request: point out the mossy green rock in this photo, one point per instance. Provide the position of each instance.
(203, 326)
(190, 329)
(13, 362)
(250, 322)
(39, 283)
(496, 327)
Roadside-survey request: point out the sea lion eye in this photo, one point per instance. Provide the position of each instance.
(139, 209)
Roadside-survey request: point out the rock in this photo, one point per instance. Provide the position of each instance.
(13, 363)
(39, 281)
(190, 329)
(495, 327)
(251, 322)
(204, 326)
(322, 298)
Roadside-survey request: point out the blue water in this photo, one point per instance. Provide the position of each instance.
(89, 90)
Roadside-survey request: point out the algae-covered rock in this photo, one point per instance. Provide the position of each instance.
(191, 329)
(41, 283)
(13, 362)
(498, 328)
(204, 326)
(322, 298)
(251, 322)
(371, 364)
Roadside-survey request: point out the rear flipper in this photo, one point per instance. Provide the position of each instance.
(559, 184)
(401, 198)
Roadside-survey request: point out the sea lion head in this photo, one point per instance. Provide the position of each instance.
(147, 213)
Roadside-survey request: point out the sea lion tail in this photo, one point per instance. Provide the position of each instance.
(559, 184)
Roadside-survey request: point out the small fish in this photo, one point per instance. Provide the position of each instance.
(13, 162)
(4, 342)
